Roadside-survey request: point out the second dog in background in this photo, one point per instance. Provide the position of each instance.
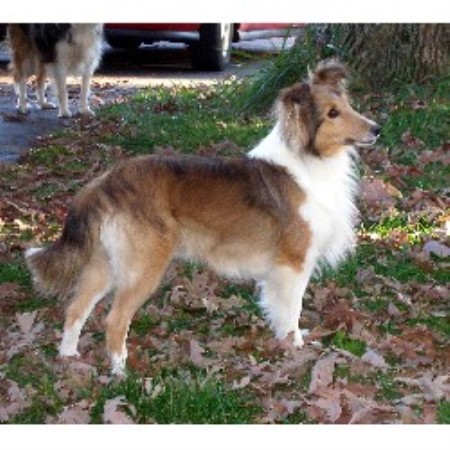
(58, 51)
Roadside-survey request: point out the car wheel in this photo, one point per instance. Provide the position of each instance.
(213, 51)
(123, 43)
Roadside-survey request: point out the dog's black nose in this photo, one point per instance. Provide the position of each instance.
(375, 130)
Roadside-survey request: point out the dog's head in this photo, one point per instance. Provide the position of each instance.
(316, 116)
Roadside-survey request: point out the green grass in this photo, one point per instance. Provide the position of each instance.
(33, 302)
(340, 339)
(430, 123)
(443, 412)
(142, 324)
(434, 176)
(415, 229)
(183, 398)
(389, 388)
(397, 264)
(39, 378)
(50, 155)
(440, 324)
(246, 292)
(259, 92)
(179, 119)
(15, 272)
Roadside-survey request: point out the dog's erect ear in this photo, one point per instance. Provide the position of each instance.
(331, 72)
(299, 94)
(298, 115)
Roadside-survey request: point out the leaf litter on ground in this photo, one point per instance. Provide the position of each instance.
(399, 376)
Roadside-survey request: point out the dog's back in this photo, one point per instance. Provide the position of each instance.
(44, 37)
(53, 42)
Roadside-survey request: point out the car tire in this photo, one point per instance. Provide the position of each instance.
(213, 51)
(124, 43)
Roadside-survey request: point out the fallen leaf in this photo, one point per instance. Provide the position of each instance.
(429, 413)
(412, 399)
(407, 415)
(25, 321)
(17, 402)
(75, 414)
(196, 353)
(436, 248)
(374, 359)
(410, 140)
(15, 117)
(436, 387)
(365, 410)
(113, 415)
(375, 191)
(279, 409)
(10, 290)
(341, 314)
(330, 402)
(322, 373)
(245, 381)
(393, 311)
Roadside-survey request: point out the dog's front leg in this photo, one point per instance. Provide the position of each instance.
(20, 87)
(281, 299)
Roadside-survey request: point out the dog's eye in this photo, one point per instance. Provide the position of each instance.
(333, 113)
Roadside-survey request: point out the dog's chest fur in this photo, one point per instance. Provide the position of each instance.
(330, 186)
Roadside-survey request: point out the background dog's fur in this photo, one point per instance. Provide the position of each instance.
(271, 217)
(58, 50)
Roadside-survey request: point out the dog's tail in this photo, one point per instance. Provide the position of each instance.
(56, 267)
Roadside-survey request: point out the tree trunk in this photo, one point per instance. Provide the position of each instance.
(385, 53)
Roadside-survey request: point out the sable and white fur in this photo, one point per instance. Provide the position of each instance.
(273, 216)
(57, 50)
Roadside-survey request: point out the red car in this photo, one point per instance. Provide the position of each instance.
(210, 43)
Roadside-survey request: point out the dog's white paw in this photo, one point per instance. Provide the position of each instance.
(87, 112)
(118, 362)
(298, 339)
(65, 113)
(63, 352)
(47, 105)
(69, 342)
(24, 109)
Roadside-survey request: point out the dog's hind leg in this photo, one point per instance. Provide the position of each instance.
(60, 77)
(140, 275)
(84, 95)
(94, 283)
(40, 88)
(281, 299)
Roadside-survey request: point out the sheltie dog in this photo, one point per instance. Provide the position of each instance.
(58, 50)
(272, 216)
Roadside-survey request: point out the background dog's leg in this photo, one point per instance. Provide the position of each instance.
(41, 81)
(20, 86)
(84, 95)
(94, 284)
(281, 298)
(61, 91)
